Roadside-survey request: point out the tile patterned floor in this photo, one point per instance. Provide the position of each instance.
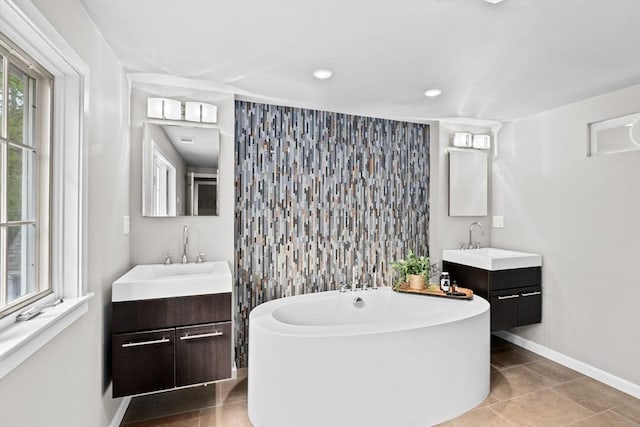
(526, 390)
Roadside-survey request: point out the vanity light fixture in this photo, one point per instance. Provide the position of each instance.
(469, 140)
(164, 108)
(494, 1)
(482, 142)
(322, 74)
(200, 112)
(432, 93)
(171, 109)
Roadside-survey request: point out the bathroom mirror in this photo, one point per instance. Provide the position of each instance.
(179, 170)
(467, 182)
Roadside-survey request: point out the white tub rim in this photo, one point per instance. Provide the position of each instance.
(262, 316)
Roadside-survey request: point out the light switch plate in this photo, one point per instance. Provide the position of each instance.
(498, 221)
(126, 225)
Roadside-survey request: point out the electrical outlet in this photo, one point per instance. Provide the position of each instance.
(498, 221)
(126, 225)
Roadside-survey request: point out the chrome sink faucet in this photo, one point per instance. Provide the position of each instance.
(185, 244)
(477, 244)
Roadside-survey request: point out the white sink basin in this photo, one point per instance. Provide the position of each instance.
(492, 258)
(150, 281)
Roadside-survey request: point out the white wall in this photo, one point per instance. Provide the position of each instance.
(152, 238)
(446, 232)
(583, 215)
(64, 384)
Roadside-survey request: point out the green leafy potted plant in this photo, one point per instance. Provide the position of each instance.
(414, 270)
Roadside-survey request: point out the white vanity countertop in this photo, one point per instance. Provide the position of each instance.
(492, 259)
(152, 281)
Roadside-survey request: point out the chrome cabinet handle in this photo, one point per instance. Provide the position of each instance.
(508, 296)
(193, 337)
(136, 344)
(530, 294)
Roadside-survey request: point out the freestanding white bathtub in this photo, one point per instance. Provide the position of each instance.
(392, 360)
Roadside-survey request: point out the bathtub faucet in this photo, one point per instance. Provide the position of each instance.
(343, 288)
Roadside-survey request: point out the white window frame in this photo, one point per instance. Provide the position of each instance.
(26, 27)
(40, 145)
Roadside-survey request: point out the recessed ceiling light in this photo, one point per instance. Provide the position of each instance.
(432, 93)
(322, 74)
(493, 1)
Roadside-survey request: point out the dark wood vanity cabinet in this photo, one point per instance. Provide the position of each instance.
(202, 353)
(161, 344)
(515, 295)
(143, 362)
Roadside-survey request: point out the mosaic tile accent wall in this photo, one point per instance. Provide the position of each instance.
(321, 200)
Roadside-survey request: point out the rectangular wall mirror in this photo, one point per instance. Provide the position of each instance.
(468, 185)
(179, 170)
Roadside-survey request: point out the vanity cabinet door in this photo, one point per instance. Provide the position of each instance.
(530, 307)
(203, 353)
(504, 309)
(143, 362)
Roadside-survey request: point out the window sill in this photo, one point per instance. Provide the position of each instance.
(20, 340)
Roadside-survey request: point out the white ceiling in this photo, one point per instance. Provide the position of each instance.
(495, 62)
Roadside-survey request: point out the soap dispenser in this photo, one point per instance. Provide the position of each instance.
(445, 282)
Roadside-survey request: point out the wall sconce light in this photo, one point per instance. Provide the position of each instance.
(200, 112)
(170, 109)
(462, 139)
(483, 142)
(469, 140)
(164, 108)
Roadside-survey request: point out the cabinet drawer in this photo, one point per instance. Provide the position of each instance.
(504, 309)
(530, 306)
(131, 316)
(203, 353)
(515, 278)
(142, 362)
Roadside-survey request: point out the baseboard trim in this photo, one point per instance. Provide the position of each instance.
(588, 370)
(122, 409)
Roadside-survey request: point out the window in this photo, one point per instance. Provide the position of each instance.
(25, 144)
(56, 208)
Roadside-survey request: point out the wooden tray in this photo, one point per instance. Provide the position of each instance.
(435, 291)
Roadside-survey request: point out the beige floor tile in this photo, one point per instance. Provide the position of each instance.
(608, 419)
(231, 391)
(482, 417)
(629, 410)
(554, 371)
(513, 382)
(169, 403)
(511, 358)
(542, 408)
(499, 345)
(488, 401)
(189, 419)
(232, 415)
(594, 395)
